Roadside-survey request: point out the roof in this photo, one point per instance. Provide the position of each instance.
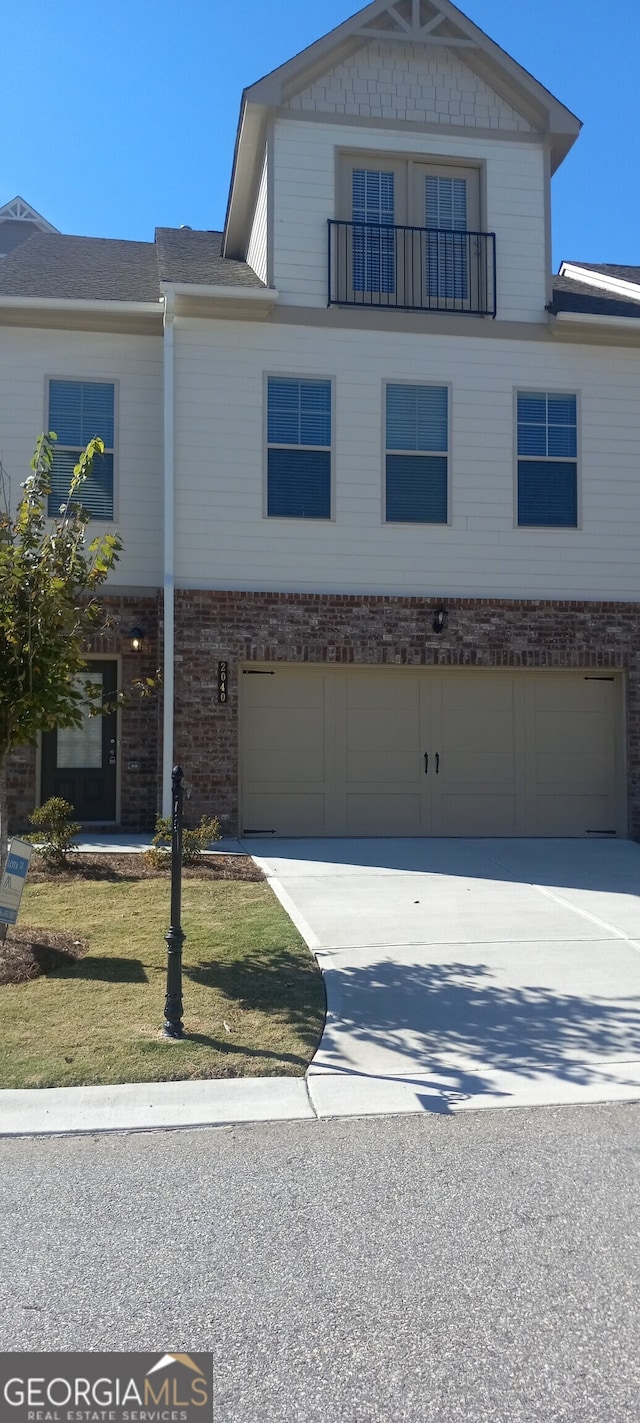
(608, 269)
(433, 23)
(52, 265)
(82, 268)
(195, 256)
(569, 294)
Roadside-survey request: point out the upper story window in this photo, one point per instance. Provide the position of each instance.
(547, 460)
(298, 448)
(416, 457)
(408, 237)
(78, 411)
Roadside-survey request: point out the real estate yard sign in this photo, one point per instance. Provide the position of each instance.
(14, 876)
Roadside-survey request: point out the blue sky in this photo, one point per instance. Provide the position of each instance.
(119, 117)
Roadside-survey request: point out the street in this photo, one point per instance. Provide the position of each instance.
(424, 1269)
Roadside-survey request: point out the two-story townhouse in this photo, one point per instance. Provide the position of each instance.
(375, 467)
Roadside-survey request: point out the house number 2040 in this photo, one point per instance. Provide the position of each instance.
(223, 668)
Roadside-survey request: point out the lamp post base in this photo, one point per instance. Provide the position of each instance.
(173, 1032)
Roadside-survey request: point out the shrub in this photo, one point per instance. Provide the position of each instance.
(57, 831)
(193, 842)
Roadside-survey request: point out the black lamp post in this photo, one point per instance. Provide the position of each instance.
(173, 1027)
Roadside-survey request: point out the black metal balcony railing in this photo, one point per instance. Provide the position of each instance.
(412, 268)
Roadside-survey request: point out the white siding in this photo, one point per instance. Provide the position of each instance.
(305, 166)
(257, 252)
(223, 541)
(398, 81)
(27, 358)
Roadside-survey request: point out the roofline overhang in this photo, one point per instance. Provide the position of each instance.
(588, 318)
(220, 292)
(54, 303)
(556, 123)
(602, 281)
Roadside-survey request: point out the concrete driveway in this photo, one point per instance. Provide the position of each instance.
(468, 973)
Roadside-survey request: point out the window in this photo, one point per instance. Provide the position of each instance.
(547, 460)
(417, 443)
(78, 411)
(373, 247)
(447, 259)
(298, 448)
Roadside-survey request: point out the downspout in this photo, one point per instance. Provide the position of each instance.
(169, 551)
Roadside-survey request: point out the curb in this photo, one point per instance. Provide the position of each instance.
(153, 1106)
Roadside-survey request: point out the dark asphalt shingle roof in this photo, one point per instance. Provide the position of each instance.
(50, 264)
(195, 256)
(569, 294)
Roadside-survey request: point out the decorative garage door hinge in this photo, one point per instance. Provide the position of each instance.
(599, 679)
(600, 832)
(257, 672)
(251, 830)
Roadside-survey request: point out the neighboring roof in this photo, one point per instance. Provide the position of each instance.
(572, 295)
(17, 210)
(81, 268)
(608, 269)
(185, 255)
(436, 23)
(18, 222)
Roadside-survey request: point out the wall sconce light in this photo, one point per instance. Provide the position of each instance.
(136, 639)
(440, 620)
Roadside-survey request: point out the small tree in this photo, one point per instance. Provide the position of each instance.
(49, 576)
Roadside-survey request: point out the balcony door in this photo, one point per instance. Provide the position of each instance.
(446, 258)
(374, 202)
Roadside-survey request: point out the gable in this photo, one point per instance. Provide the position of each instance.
(388, 80)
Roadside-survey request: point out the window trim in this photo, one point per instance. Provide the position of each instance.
(292, 519)
(552, 529)
(417, 523)
(93, 380)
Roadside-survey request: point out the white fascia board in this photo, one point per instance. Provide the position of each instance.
(267, 295)
(589, 318)
(601, 280)
(54, 303)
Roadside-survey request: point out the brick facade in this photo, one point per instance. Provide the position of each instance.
(140, 719)
(297, 627)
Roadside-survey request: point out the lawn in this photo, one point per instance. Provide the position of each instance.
(253, 996)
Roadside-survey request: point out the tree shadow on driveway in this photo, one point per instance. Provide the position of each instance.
(454, 1024)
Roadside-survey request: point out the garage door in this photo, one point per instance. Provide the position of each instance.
(394, 751)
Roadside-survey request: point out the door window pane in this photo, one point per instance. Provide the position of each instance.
(79, 748)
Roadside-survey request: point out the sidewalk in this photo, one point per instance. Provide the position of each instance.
(123, 844)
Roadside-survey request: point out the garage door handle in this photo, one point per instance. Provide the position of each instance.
(426, 763)
(437, 763)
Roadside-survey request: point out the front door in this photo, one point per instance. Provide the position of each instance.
(80, 763)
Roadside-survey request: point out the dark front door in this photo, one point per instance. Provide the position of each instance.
(80, 763)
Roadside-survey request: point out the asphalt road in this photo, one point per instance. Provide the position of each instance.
(402, 1270)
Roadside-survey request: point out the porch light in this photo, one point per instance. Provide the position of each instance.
(136, 639)
(440, 620)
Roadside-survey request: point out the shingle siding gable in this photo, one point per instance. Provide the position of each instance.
(395, 81)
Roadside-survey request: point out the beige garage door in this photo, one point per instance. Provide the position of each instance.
(394, 751)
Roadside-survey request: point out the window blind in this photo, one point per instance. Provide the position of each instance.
(79, 411)
(547, 460)
(373, 201)
(299, 448)
(416, 458)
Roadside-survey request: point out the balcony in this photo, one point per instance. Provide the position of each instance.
(412, 268)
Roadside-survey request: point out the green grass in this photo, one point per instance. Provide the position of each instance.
(99, 1020)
